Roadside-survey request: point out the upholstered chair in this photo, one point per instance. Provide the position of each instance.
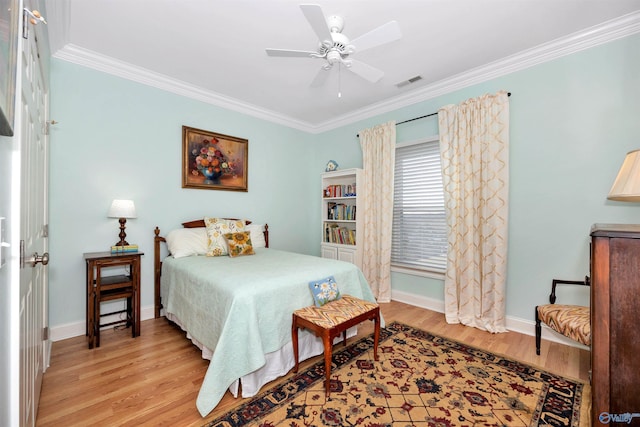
(572, 321)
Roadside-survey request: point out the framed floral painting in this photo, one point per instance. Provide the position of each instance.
(213, 161)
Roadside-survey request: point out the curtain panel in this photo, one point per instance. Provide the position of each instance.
(474, 145)
(378, 160)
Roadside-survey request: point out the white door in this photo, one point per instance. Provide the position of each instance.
(33, 223)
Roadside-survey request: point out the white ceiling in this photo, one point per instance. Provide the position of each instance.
(214, 50)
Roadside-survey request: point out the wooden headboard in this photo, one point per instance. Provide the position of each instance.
(157, 262)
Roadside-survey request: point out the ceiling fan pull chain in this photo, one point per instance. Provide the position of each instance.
(339, 74)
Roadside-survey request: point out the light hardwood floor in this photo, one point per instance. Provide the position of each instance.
(154, 379)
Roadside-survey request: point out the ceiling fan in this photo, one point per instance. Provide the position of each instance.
(335, 47)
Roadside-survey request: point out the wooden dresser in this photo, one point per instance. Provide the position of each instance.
(615, 314)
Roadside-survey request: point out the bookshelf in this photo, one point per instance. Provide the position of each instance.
(340, 220)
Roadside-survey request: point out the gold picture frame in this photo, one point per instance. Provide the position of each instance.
(213, 161)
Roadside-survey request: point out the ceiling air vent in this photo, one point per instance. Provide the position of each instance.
(411, 80)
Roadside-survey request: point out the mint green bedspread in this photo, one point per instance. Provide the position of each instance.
(241, 307)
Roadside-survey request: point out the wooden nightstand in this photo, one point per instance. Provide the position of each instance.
(103, 287)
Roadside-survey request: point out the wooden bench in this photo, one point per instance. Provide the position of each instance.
(332, 319)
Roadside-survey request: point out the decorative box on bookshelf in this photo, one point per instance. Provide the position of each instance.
(340, 221)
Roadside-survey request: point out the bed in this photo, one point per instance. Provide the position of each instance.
(238, 309)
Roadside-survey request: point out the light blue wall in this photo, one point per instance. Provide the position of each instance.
(572, 120)
(120, 139)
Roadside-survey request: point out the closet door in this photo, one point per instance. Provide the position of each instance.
(33, 195)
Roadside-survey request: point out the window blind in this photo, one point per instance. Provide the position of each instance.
(419, 221)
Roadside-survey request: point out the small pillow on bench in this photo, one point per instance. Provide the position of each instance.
(324, 290)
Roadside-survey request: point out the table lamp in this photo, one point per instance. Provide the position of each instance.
(626, 187)
(122, 209)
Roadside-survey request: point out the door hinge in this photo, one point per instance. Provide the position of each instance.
(45, 230)
(45, 333)
(47, 126)
(25, 25)
(29, 17)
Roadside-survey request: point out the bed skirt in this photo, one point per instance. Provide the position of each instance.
(278, 363)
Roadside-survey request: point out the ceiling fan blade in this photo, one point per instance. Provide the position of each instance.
(366, 71)
(290, 53)
(320, 78)
(383, 34)
(315, 16)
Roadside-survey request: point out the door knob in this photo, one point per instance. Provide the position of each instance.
(35, 258)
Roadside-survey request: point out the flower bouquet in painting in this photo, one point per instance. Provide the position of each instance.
(211, 162)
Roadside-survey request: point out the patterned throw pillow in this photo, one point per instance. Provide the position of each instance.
(324, 290)
(239, 244)
(216, 229)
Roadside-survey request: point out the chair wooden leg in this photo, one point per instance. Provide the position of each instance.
(538, 332)
(376, 335)
(326, 340)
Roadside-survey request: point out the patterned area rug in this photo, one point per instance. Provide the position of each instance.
(420, 379)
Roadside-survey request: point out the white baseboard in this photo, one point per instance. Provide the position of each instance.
(515, 324)
(77, 329)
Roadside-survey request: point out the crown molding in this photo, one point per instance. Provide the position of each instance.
(608, 31)
(591, 37)
(90, 59)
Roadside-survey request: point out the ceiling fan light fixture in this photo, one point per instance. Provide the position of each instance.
(333, 56)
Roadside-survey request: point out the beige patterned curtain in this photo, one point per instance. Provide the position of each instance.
(474, 145)
(378, 160)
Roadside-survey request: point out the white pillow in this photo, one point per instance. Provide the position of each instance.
(257, 235)
(184, 242)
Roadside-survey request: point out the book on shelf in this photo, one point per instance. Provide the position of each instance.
(342, 235)
(341, 212)
(348, 190)
(124, 249)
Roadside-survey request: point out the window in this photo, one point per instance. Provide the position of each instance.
(419, 222)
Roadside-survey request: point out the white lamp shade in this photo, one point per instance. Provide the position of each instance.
(122, 209)
(626, 187)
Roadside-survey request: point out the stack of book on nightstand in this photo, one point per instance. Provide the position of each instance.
(124, 249)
